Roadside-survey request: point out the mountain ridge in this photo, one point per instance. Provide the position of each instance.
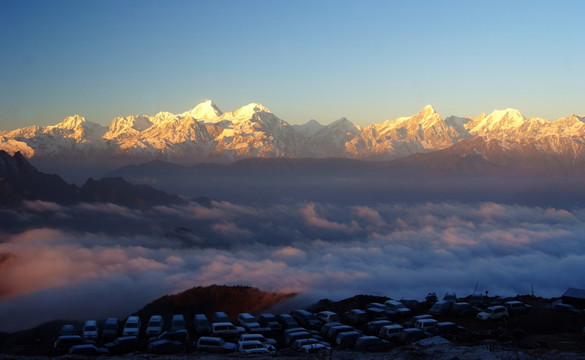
(206, 134)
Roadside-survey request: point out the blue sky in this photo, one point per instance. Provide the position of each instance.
(365, 60)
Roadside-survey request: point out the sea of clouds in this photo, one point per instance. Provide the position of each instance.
(99, 260)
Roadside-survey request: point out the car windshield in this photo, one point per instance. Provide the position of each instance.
(90, 328)
(154, 323)
(132, 325)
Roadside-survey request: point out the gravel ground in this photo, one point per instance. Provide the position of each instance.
(488, 351)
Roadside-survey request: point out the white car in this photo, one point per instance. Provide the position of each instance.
(493, 313)
(90, 330)
(132, 326)
(154, 326)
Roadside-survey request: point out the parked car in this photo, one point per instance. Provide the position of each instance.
(154, 326)
(180, 335)
(441, 307)
(310, 345)
(177, 322)
(355, 317)
(347, 339)
(373, 327)
(425, 324)
(306, 319)
(517, 307)
(253, 347)
(226, 329)
(215, 345)
(327, 316)
(291, 337)
(410, 323)
(374, 313)
(65, 342)
(132, 326)
(220, 316)
(201, 325)
(325, 328)
(462, 309)
(67, 329)
(166, 347)
(409, 303)
(90, 330)
(446, 329)
(333, 331)
(398, 307)
(493, 313)
(87, 350)
(248, 322)
(111, 329)
(268, 343)
(371, 344)
(390, 332)
(124, 345)
(269, 320)
(568, 308)
(287, 321)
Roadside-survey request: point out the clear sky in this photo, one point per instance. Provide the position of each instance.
(366, 60)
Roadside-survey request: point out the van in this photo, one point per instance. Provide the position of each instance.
(132, 326)
(154, 326)
(90, 330)
(177, 322)
(111, 328)
(425, 324)
(390, 332)
(201, 324)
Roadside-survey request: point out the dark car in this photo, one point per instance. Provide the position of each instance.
(124, 345)
(65, 342)
(201, 324)
(177, 335)
(269, 320)
(409, 335)
(287, 321)
(215, 345)
(166, 347)
(306, 319)
(87, 350)
(447, 329)
(463, 309)
(371, 344)
(111, 329)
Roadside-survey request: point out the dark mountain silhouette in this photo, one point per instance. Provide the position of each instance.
(232, 300)
(19, 181)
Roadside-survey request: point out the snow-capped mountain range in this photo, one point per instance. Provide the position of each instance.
(205, 133)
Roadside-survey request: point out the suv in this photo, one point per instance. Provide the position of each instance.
(178, 322)
(90, 330)
(306, 319)
(201, 324)
(327, 316)
(397, 306)
(249, 323)
(132, 326)
(215, 345)
(154, 326)
(226, 329)
(493, 313)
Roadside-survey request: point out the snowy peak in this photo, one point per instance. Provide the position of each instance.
(205, 111)
(71, 122)
(498, 123)
(344, 125)
(252, 108)
(427, 111)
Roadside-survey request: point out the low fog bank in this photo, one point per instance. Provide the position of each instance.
(346, 181)
(98, 260)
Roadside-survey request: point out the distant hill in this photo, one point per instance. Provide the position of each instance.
(232, 300)
(19, 180)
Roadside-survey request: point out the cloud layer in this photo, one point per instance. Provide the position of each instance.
(75, 258)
